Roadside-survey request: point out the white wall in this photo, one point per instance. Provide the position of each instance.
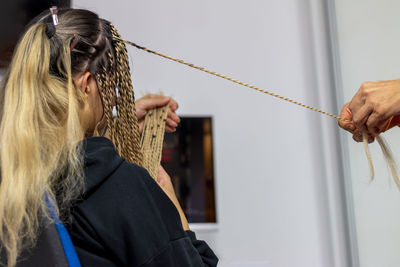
(278, 181)
(369, 41)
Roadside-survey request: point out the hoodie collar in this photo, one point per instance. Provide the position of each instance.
(101, 160)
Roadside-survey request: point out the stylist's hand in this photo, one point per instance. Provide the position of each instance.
(373, 106)
(349, 126)
(144, 104)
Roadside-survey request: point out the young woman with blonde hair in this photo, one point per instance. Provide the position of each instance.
(68, 84)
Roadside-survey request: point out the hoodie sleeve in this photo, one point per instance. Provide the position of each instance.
(207, 255)
(127, 220)
(187, 251)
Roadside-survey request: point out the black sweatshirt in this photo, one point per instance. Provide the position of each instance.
(125, 219)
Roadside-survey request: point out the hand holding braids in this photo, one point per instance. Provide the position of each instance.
(124, 129)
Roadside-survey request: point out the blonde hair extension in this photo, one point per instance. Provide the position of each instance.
(152, 139)
(368, 155)
(387, 153)
(117, 90)
(385, 149)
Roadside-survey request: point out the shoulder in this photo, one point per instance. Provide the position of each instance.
(129, 188)
(103, 166)
(128, 215)
(132, 188)
(123, 211)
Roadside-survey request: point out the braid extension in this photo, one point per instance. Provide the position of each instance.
(114, 123)
(385, 149)
(114, 79)
(106, 80)
(104, 84)
(125, 128)
(122, 120)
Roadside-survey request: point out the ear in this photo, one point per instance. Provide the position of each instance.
(87, 83)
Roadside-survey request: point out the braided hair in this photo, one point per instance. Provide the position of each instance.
(117, 93)
(96, 47)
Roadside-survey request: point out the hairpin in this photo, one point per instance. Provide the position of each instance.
(54, 11)
(76, 40)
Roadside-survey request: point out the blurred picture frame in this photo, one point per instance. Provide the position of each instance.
(188, 157)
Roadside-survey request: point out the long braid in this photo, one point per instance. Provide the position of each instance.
(115, 123)
(104, 82)
(124, 128)
(128, 99)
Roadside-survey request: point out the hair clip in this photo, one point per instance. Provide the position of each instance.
(50, 30)
(54, 11)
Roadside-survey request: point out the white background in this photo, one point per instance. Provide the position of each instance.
(369, 41)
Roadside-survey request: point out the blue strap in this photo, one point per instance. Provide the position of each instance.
(69, 249)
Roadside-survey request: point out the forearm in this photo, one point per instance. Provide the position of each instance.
(182, 215)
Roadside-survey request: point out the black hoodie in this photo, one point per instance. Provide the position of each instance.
(125, 219)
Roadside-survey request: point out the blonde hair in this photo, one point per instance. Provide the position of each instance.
(40, 132)
(43, 120)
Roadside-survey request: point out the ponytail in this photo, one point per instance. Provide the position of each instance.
(44, 117)
(40, 133)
